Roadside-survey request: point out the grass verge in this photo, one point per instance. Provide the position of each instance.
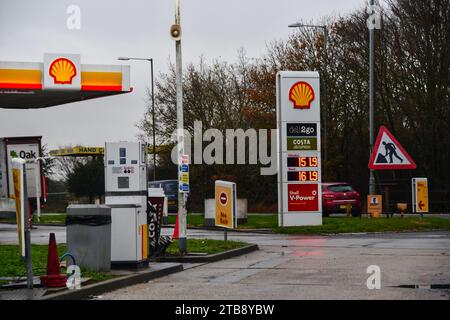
(11, 264)
(51, 218)
(333, 225)
(208, 246)
(193, 220)
(59, 218)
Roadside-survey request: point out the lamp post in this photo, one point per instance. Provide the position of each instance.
(153, 109)
(371, 97)
(176, 35)
(325, 42)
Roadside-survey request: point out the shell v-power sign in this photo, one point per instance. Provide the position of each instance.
(299, 174)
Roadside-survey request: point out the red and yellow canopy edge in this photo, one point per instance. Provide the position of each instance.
(32, 79)
(20, 79)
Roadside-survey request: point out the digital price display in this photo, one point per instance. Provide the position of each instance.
(302, 162)
(303, 176)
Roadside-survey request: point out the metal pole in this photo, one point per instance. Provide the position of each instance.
(325, 42)
(371, 97)
(153, 124)
(26, 222)
(38, 198)
(323, 87)
(180, 134)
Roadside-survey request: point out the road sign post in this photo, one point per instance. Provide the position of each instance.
(175, 32)
(183, 191)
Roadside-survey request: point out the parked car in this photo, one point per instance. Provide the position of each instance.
(336, 196)
(170, 188)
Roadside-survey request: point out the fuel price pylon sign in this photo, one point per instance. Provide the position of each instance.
(299, 174)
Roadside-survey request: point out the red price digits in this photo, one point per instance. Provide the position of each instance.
(302, 176)
(302, 162)
(308, 176)
(307, 162)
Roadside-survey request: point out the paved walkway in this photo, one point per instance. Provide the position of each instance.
(39, 234)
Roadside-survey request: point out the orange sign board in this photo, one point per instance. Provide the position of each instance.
(18, 172)
(374, 205)
(225, 195)
(420, 190)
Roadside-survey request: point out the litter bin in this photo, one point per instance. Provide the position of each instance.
(89, 236)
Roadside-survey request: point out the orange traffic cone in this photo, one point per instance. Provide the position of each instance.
(53, 278)
(175, 230)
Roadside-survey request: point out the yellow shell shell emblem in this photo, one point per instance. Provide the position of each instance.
(301, 95)
(62, 71)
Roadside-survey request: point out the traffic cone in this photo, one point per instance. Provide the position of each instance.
(53, 278)
(175, 230)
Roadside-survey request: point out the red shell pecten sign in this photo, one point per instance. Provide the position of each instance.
(302, 95)
(62, 70)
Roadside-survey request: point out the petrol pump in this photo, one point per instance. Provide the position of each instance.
(126, 194)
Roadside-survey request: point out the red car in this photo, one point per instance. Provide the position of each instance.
(336, 196)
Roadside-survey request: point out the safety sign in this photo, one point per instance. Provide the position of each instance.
(225, 195)
(183, 174)
(420, 195)
(374, 205)
(388, 154)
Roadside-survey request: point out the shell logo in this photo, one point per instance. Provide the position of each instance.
(301, 95)
(62, 70)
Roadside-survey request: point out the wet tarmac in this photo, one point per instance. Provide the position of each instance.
(300, 267)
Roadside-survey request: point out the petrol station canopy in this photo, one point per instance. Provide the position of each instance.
(77, 151)
(60, 79)
(85, 151)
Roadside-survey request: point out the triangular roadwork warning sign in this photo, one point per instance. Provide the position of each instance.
(388, 154)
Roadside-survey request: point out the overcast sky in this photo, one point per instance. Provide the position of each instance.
(139, 28)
